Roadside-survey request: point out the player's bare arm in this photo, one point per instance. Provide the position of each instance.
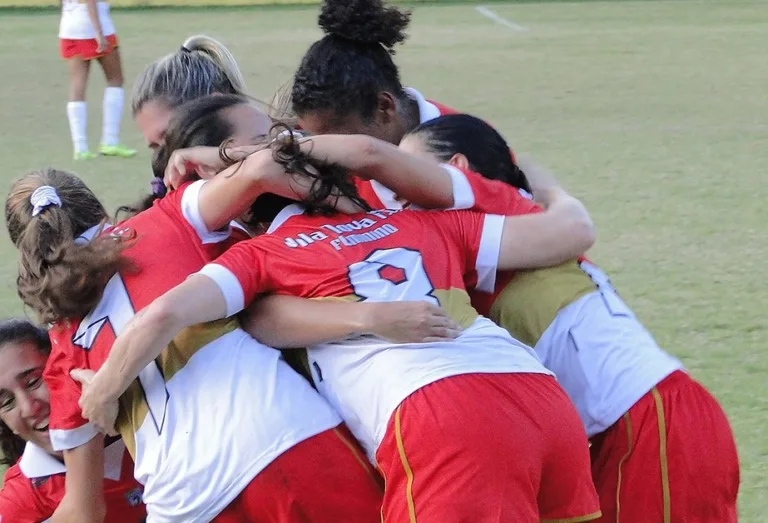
(197, 300)
(288, 322)
(419, 180)
(565, 231)
(83, 501)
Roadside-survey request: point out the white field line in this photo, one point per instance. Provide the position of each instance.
(499, 20)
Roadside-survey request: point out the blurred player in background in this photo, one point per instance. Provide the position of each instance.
(201, 66)
(34, 485)
(86, 33)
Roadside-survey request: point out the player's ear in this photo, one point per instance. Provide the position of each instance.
(460, 161)
(386, 107)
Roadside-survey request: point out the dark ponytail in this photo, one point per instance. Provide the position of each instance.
(486, 150)
(345, 71)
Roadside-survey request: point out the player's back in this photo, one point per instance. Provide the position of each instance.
(390, 256)
(216, 407)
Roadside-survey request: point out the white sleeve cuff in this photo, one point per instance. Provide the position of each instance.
(190, 208)
(71, 439)
(463, 195)
(488, 253)
(229, 286)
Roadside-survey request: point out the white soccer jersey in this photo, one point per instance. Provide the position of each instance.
(214, 409)
(76, 24)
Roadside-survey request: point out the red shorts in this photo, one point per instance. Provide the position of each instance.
(487, 447)
(85, 49)
(324, 478)
(672, 457)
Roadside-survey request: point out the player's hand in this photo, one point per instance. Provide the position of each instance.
(94, 404)
(541, 180)
(102, 45)
(185, 164)
(411, 322)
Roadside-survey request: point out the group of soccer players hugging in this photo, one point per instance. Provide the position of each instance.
(461, 360)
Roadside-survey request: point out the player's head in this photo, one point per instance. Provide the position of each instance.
(215, 121)
(469, 143)
(24, 401)
(49, 214)
(347, 82)
(202, 66)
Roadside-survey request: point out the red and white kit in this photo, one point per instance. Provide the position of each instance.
(217, 409)
(435, 415)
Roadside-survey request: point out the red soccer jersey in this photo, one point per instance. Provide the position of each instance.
(34, 496)
(168, 248)
(383, 255)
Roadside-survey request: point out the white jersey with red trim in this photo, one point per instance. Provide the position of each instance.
(76, 23)
(214, 409)
(380, 256)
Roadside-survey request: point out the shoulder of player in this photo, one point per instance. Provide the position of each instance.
(13, 474)
(25, 496)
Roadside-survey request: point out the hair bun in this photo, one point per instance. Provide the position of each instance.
(364, 21)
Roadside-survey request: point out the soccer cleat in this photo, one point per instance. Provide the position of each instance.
(84, 155)
(116, 150)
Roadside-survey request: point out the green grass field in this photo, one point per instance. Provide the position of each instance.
(654, 112)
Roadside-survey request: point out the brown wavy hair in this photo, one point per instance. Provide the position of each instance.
(58, 278)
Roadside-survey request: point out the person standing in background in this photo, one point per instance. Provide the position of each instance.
(86, 33)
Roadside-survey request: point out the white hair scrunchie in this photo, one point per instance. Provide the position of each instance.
(43, 197)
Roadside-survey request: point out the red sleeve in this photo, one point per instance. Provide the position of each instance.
(241, 274)
(478, 237)
(67, 428)
(473, 191)
(21, 501)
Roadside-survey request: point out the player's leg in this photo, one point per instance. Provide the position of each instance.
(702, 461)
(112, 107)
(468, 448)
(567, 493)
(672, 457)
(77, 112)
(324, 478)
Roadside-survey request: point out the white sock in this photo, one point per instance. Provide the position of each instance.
(78, 120)
(113, 111)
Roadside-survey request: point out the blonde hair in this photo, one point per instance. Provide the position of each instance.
(281, 106)
(200, 67)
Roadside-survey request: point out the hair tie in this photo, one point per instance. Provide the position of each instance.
(158, 187)
(42, 198)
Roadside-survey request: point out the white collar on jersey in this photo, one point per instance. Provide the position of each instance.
(37, 463)
(427, 110)
(291, 210)
(91, 233)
